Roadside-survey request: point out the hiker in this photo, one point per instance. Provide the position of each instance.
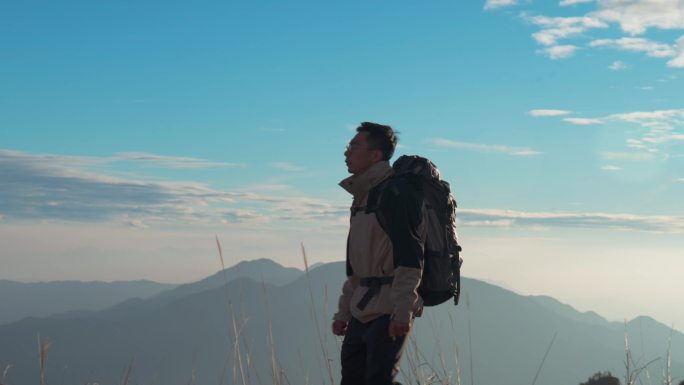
(379, 299)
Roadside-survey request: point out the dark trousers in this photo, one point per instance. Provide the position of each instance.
(369, 356)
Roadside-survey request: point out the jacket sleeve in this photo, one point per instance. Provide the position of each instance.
(343, 313)
(404, 221)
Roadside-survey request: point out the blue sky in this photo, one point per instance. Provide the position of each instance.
(133, 132)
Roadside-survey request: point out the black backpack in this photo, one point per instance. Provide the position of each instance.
(441, 278)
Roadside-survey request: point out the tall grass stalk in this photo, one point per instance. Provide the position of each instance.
(667, 376)
(127, 374)
(238, 366)
(470, 338)
(328, 365)
(43, 347)
(237, 353)
(193, 377)
(5, 374)
(544, 359)
(457, 364)
(269, 338)
(632, 369)
(440, 351)
(418, 363)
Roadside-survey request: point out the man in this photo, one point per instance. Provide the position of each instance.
(384, 262)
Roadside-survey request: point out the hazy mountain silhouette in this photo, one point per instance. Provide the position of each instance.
(260, 270)
(19, 300)
(192, 335)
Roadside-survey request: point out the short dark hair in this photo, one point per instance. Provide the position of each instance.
(380, 137)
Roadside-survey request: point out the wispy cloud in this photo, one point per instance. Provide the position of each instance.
(269, 187)
(60, 188)
(494, 4)
(645, 88)
(566, 3)
(637, 44)
(664, 118)
(547, 113)
(169, 161)
(618, 66)
(39, 190)
(627, 156)
(583, 121)
(678, 60)
(560, 51)
(656, 128)
(608, 221)
(610, 167)
(635, 17)
(286, 166)
(557, 28)
(488, 148)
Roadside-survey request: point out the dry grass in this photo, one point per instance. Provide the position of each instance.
(5, 374)
(43, 347)
(127, 374)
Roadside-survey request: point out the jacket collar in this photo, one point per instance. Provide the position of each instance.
(359, 185)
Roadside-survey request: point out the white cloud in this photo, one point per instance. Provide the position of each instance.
(658, 121)
(636, 16)
(668, 78)
(556, 28)
(54, 188)
(488, 148)
(637, 44)
(559, 51)
(269, 187)
(565, 3)
(618, 65)
(169, 161)
(680, 180)
(628, 156)
(646, 88)
(286, 166)
(613, 221)
(494, 4)
(583, 121)
(545, 113)
(678, 60)
(610, 167)
(658, 127)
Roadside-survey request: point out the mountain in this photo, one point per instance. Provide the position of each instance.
(19, 300)
(259, 270)
(501, 335)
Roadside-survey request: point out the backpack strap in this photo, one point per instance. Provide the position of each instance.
(373, 284)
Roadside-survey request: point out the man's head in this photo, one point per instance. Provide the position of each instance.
(373, 143)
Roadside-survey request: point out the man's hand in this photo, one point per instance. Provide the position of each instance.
(398, 329)
(339, 328)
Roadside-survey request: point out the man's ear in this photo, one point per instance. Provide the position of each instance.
(377, 156)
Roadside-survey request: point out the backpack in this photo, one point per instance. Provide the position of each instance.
(441, 279)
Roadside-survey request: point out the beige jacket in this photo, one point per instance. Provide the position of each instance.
(372, 252)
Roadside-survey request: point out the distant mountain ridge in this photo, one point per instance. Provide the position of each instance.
(42, 299)
(259, 270)
(191, 336)
(70, 299)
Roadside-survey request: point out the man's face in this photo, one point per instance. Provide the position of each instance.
(358, 156)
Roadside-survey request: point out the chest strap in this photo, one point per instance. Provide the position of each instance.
(373, 284)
